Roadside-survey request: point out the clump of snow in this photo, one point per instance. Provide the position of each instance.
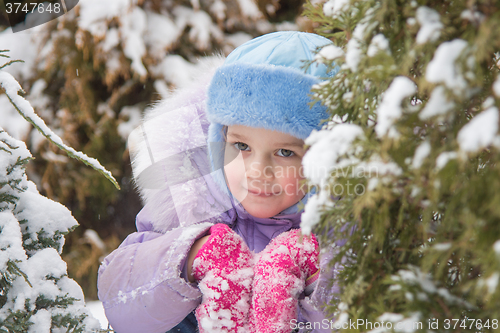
(378, 43)
(132, 28)
(490, 283)
(92, 237)
(334, 8)
(354, 52)
(330, 150)
(201, 26)
(480, 132)
(473, 16)
(442, 246)
(130, 118)
(111, 40)
(496, 86)
(442, 67)
(328, 53)
(430, 25)
(250, 9)
(41, 320)
(10, 240)
(326, 151)
(496, 247)
(47, 222)
(389, 109)
(95, 13)
(422, 151)
(12, 121)
(413, 276)
(218, 9)
(444, 158)
(313, 210)
(161, 34)
(97, 310)
(376, 167)
(437, 105)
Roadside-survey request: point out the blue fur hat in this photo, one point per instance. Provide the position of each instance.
(263, 83)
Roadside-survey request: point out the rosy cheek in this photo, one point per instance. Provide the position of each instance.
(235, 175)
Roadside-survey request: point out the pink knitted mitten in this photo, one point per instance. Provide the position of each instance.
(223, 267)
(280, 277)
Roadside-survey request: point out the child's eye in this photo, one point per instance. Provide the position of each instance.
(285, 153)
(241, 146)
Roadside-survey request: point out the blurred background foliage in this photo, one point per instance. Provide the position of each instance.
(92, 72)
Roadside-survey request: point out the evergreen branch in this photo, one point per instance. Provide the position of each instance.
(12, 87)
(9, 63)
(4, 55)
(16, 270)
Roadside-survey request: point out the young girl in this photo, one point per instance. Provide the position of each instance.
(224, 242)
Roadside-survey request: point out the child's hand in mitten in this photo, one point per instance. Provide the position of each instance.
(223, 269)
(280, 276)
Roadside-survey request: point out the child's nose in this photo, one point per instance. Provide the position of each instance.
(259, 169)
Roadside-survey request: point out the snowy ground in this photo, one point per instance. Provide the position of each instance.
(97, 311)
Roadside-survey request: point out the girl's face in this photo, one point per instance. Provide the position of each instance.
(263, 169)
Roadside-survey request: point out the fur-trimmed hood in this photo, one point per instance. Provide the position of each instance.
(169, 156)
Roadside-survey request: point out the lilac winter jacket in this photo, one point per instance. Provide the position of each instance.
(142, 284)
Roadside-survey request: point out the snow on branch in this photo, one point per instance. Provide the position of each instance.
(12, 88)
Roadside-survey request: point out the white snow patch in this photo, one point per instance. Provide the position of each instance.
(430, 25)
(480, 132)
(492, 282)
(422, 151)
(496, 86)
(333, 8)
(496, 247)
(129, 118)
(202, 29)
(442, 246)
(41, 320)
(378, 43)
(94, 14)
(389, 109)
(329, 52)
(313, 210)
(442, 67)
(354, 52)
(161, 34)
(327, 148)
(473, 16)
(444, 158)
(97, 310)
(249, 9)
(438, 104)
(133, 26)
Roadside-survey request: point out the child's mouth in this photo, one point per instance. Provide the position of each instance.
(259, 193)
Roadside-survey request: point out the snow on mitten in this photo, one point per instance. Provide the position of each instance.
(223, 269)
(280, 275)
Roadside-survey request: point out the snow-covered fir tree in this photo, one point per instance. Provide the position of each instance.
(36, 294)
(407, 169)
